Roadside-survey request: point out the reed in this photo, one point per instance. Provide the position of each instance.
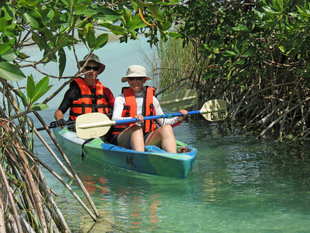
(172, 66)
(26, 202)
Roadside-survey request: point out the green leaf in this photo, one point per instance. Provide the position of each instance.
(101, 41)
(9, 55)
(278, 5)
(282, 49)
(167, 24)
(135, 23)
(85, 12)
(23, 97)
(30, 88)
(22, 55)
(240, 27)
(174, 34)
(229, 74)
(126, 16)
(40, 41)
(50, 14)
(106, 14)
(91, 38)
(171, 2)
(269, 10)
(8, 12)
(4, 48)
(117, 30)
(156, 12)
(62, 61)
(240, 62)
(3, 25)
(40, 89)
(133, 34)
(31, 20)
(10, 72)
(39, 107)
(231, 53)
(68, 3)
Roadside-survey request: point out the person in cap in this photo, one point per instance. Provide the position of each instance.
(86, 95)
(137, 101)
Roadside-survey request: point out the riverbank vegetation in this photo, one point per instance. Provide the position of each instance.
(253, 54)
(26, 202)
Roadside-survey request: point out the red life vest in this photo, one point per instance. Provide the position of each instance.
(88, 102)
(130, 110)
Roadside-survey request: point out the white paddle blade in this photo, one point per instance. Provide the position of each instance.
(179, 100)
(90, 125)
(214, 110)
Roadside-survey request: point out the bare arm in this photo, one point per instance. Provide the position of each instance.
(58, 115)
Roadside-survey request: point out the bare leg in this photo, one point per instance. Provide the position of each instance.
(163, 137)
(132, 138)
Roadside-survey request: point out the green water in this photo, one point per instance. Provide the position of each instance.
(237, 184)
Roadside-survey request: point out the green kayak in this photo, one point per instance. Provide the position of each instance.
(153, 161)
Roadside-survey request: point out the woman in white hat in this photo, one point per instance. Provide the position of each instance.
(86, 95)
(137, 101)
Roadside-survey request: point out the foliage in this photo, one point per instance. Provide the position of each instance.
(235, 35)
(53, 26)
(255, 54)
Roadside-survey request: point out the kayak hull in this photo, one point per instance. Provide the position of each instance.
(153, 161)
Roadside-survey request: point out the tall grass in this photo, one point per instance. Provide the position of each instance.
(172, 65)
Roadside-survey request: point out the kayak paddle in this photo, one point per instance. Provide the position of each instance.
(53, 125)
(96, 124)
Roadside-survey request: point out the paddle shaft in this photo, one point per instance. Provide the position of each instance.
(53, 125)
(132, 120)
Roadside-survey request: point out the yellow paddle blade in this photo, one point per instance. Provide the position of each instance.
(214, 110)
(179, 100)
(87, 125)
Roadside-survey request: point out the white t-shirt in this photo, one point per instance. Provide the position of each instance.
(120, 103)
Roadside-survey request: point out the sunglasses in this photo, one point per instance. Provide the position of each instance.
(135, 78)
(95, 68)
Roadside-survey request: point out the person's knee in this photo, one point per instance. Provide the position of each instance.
(136, 128)
(167, 128)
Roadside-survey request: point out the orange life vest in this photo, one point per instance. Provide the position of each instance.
(130, 110)
(88, 102)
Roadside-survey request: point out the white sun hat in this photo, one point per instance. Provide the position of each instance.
(135, 71)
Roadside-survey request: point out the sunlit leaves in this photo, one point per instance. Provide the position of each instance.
(51, 25)
(34, 92)
(115, 29)
(107, 15)
(40, 89)
(10, 72)
(235, 39)
(31, 20)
